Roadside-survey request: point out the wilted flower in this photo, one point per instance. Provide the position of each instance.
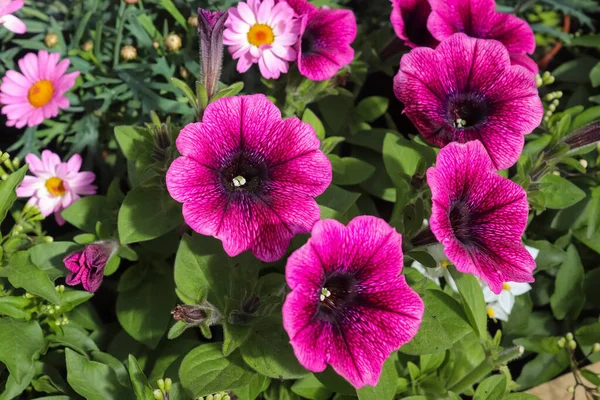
(38, 92)
(479, 19)
(467, 90)
(479, 216)
(325, 39)
(173, 42)
(248, 178)
(349, 306)
(87, 265)
(10, 22)
(263, 33)
(51, 39)
(56, 185)
(128, 53)
(409, 20)
(210, 28)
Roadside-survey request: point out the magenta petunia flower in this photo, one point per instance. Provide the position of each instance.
(325, 38)
(479, 19)
(479, 216)
(10, 22)
(87, 265)
(263, 33)
(38, 92)
(466, 90)
(56, 185)
(248, 178)
(349, 306)
(409, 20)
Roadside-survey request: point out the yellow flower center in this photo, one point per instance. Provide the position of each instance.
(444, 264)
(260, 34)
(505, 286)
(56, 186)
(491, 313)
(41, 93)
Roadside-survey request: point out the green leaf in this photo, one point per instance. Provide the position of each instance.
(588, 335)
(49, 257)
(144, 313)
(493, 388)
(268, 351)
(444, 323)
(8, 189)
(569, 296)
(135, 223)
(540, 344)
(14, 307)
(590, 376)
(386, 386)
(431, 362)
(311, 118)
(592, 242)
(172, 9)
(135, 142)
(335, 383)
(22, 273)
(349, 170)
(185, 89)
(13, 389)
(542, 368)
(205, 370)
(423, 258)
(586, 41)
(19, 343)
(311, 388)
(402, 156)
(94, 380)
(142, 389)
(251, 391)
(473, 301)
(559, 192)
(337, 198)
(229, 91)
(74, 338)
(86, 212)
(371, 108)
(520, 396)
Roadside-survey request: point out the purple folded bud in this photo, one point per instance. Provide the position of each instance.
(189, 314)
(584, 136)
(210, 29)
(87, 265)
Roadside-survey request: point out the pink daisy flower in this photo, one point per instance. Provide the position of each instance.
(479, 19)
(263, 33)
(38, 92)
(87, 265)
(349, 306)
(409, 20)
(325, 39)
(479, 216)
(248, 178)
(466, 89)
(10, 22)
(56, 185)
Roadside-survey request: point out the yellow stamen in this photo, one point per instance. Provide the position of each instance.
(56, 186)
(41, 93)
(260, 34)
(505, 286)
(444, 264)
(491, 313)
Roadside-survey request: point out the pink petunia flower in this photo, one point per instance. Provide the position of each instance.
(325, 39)
(409, 20)
(263, 33)
(87, 265)
(248, 178)
(349, 306)
(10, 22)
(56, 185)
(466, 90)
(38, 92)
(479, 216)
(479, 19)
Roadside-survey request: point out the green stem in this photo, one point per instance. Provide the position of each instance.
(120, 26)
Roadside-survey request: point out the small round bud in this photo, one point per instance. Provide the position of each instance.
(184, 72)
(546, 118)
(561, 342)
(550, 80)
(193, 20)
(226, 397)
(569, 336)
(173, 42)
(583, 163)
(87, 46)
(161, 384)
(539, 82)
(596, 348)
(572, 344)
(48, 239)
(155, 44)
(556, 173)
(210, 397)
(571, 389)
(158, 395)
(131, 1)
(128, 52)
(552, 107)
(559, 94)
(29, 295)
(168, 385)
(51, 39)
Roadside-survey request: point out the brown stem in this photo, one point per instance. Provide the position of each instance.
(544, 62)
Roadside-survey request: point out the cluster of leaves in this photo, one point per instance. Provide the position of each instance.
(117, 344)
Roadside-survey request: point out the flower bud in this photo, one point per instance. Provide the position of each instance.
(569, 336)
(161, 384)
(158, 395)
(51, 39)
(155, 44)
(561, 343)
(189, 314)
(87, 265)
(210, 30)
(193, 20)
(128, 53)
(184, 72)
(131, 1)
(173, 42)
(583, 163)
(571, 389)
(572, 344)
(168, 384)
(596, 348)
(88, 46)
(585, 136)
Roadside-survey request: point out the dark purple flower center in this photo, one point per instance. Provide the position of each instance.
(461, 220)
(467, 110)
(308, 42)
(415, 24)
(245, 172)
(338, 291)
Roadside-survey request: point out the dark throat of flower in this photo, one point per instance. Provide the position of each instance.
(308, 42)
(244, 173)
(467, 110)
(461, 221)
(338, 292)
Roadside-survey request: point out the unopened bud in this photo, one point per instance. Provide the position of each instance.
(538, 81)
(583, 163)
(556, 173)
(128, 52)
(596, 348)
(189, 314)
(569, 336)
(161, 384)
(193, 20)
(173, 42)
(572, 344)
(552, 107)
(168, 384)
(131, 1)
(60, 288)
(561, 342)
(158, 395)
(51, 39)
(571, 389)
(87, 46)
(184, 72)
(48, 239)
